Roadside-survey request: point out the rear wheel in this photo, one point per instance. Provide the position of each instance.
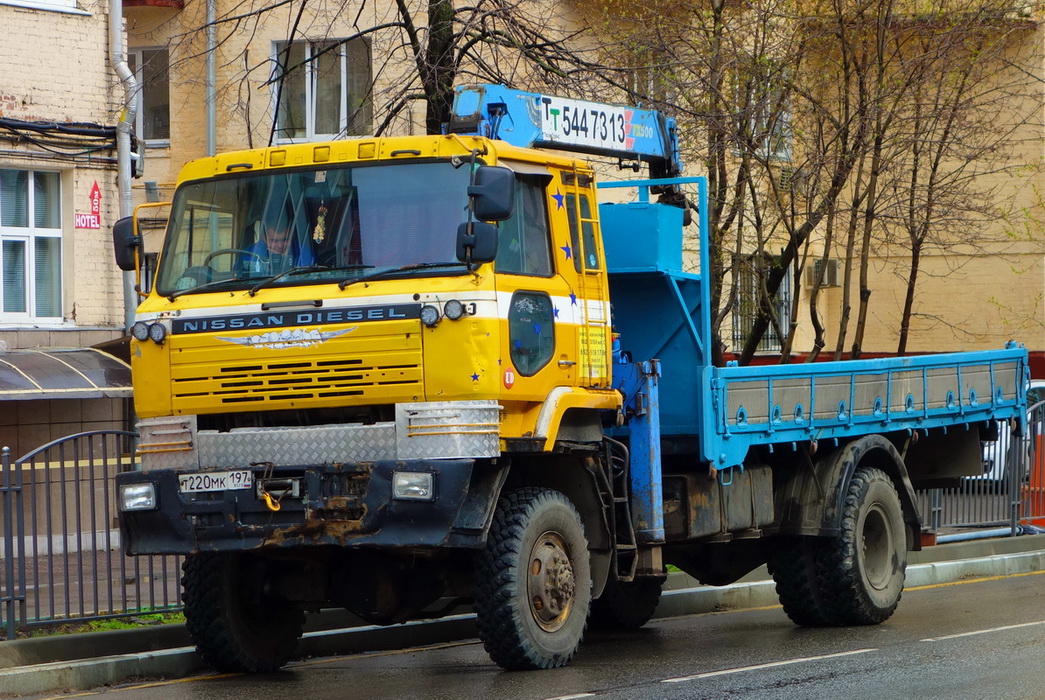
(236, 623)
(626, 605)
(869, 559)
(797, 567)
(533, 581)
(855, 578)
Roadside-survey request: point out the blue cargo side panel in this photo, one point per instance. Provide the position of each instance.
(788, 404)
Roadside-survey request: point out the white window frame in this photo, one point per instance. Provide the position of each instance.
(65, 6)
(138, 53)
(29, 235)
(310, 90)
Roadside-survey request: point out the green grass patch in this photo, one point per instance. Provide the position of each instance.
(139, 621)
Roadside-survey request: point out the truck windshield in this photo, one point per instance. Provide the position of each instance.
(233, 232)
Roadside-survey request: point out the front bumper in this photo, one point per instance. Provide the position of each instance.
(347, 505)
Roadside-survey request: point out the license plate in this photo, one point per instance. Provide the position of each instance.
(215, 481)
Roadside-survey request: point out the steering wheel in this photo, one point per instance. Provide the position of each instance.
(231, 251)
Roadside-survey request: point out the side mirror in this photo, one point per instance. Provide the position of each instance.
(493, 193)
(476, 242)
(125, 243)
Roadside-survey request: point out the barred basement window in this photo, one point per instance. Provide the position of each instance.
(751, 272)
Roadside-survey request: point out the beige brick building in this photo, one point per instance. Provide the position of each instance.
(58, 200)
(61, 288)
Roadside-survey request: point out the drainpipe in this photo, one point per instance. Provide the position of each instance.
(211, 81)
(123, 139)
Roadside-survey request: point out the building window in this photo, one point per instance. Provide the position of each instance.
(68, 6)
(323, 89)
(152, 70)
(751, 274)
(764, 110)
(30, 245)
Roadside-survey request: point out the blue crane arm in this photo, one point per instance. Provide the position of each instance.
(533, 120)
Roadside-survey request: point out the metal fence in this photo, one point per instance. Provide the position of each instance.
(1008, 497)
(60, 556)
(61, 560)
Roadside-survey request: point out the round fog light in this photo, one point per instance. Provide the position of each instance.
(140, 331)
(157, 333)
(453, 309)
(429, 315)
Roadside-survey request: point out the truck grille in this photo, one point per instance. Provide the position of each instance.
(377, 363)
(280, 382)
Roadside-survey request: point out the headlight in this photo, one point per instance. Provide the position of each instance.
(137, 497)
(157, 333)
(413, 486)
(140, 331)
(453, 309)
(429, 315)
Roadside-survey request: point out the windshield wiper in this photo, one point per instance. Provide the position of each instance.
(396, 270)
(298, 270)
(206, 285)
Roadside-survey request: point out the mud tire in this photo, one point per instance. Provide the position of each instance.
(856, 578)
(868, 561)
(236, 625)
(626, 605)
(798, 568)
(533, 581)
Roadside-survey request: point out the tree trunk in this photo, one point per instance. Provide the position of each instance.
(908, 305)
(440, 73)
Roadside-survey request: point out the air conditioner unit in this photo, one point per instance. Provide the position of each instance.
(831, 273)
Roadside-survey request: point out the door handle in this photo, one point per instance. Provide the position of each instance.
(566, 363)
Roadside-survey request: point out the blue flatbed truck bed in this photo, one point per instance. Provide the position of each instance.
(725, 459)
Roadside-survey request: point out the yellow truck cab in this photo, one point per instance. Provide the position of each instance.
(377, 311)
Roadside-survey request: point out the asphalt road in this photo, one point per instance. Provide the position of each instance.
(981, 639)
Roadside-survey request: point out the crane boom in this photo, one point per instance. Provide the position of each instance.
(534, 120)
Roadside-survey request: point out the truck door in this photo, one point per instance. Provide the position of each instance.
(539, 344)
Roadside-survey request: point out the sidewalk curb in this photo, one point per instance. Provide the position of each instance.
(682, 596)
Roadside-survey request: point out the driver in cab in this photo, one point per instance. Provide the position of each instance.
(277, 250)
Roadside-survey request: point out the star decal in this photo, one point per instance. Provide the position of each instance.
(536, 329)
(566, 249)
(555, 312)
(475, 377)
(560, 199)
(573, 298)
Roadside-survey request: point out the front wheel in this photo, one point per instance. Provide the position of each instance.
(236, 623)
(533, 581)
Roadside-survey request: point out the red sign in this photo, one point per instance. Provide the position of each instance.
(94, 219)
(509, 379)
(87, 221)
(96, 199)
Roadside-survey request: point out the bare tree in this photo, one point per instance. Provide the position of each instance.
(837, 126)
(421, 49)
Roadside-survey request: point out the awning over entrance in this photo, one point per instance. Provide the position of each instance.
(62, 373)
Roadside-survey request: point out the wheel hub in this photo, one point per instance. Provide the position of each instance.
(551, 583)
(877, 548)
